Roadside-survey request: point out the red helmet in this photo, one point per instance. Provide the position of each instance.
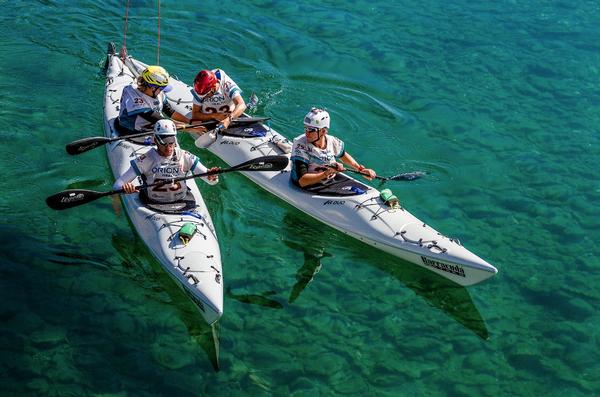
(204, 82)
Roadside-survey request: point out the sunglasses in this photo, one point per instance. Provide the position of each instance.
(311, 129)
(157, 87)
(164, 142)
(212, 91)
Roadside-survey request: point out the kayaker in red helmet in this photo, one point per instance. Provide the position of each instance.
(216, 97)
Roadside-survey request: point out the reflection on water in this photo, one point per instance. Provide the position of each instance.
(454, 300)
(130, 248)
(451, 298)
(312, 266)
(67, 258)
(86, 184)
(301, 237)
(255, 299)
(307, 272)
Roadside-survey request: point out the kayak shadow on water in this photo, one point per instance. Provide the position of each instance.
(304, 275)
(297, 236)
(86, 184)
(451, 298)
(261, 299)
(307, 272)
(130, 248)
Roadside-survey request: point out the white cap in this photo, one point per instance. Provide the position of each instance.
(317, 118)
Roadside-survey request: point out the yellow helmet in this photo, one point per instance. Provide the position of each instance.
(156, 75)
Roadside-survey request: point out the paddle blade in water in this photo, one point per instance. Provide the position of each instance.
(407, 176)
(252, 103)
(72, 198)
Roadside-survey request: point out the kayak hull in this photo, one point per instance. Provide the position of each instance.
(195, 266)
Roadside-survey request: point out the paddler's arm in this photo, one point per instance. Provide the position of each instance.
(306, 178)
(174, 115)
(198, 115)
(124, 181)
(198, 168)
(240, 108)
(349, 160)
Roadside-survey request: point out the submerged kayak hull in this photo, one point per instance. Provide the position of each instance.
(364, 216)
(195, 266)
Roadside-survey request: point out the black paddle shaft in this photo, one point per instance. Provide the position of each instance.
(407, 176)
(86, 144)
(76, 197)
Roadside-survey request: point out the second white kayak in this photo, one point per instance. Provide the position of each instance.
(358, 212)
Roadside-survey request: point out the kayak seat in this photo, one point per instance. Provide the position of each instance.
(339, 186)
(188, 203)
(246, 131)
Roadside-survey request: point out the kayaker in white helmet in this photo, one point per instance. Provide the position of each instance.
(166, 161)
(216, 97)
(143, 103)
(315, 153)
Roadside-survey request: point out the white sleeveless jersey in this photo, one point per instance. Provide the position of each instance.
(315, 157)
(222, 100)
(155, 167)
(134, 103)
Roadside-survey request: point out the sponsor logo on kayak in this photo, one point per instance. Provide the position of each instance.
(334, 202)
(454, 269)
(71, 198)
(229, 143)
(124, 145)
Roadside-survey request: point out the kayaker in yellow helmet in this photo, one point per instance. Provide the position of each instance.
(144, 102)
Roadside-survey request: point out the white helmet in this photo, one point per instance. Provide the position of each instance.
(165, 131)
(317, 118)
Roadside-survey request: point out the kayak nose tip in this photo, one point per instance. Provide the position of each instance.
(213, 311)
(219, 310)
(213, 317)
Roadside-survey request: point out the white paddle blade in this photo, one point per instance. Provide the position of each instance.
(251, 105)
(205, 140)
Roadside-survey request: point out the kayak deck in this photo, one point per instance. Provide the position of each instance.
(195, 266)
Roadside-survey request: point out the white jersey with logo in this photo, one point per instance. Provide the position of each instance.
(134, 103)
(155, 167)
(314, 157)
(222, 100)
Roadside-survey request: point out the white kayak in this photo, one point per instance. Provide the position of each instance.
(195, 266)
(363, 216)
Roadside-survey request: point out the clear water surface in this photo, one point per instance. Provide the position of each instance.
(498, 101)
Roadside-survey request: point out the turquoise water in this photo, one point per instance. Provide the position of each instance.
(498, 101)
